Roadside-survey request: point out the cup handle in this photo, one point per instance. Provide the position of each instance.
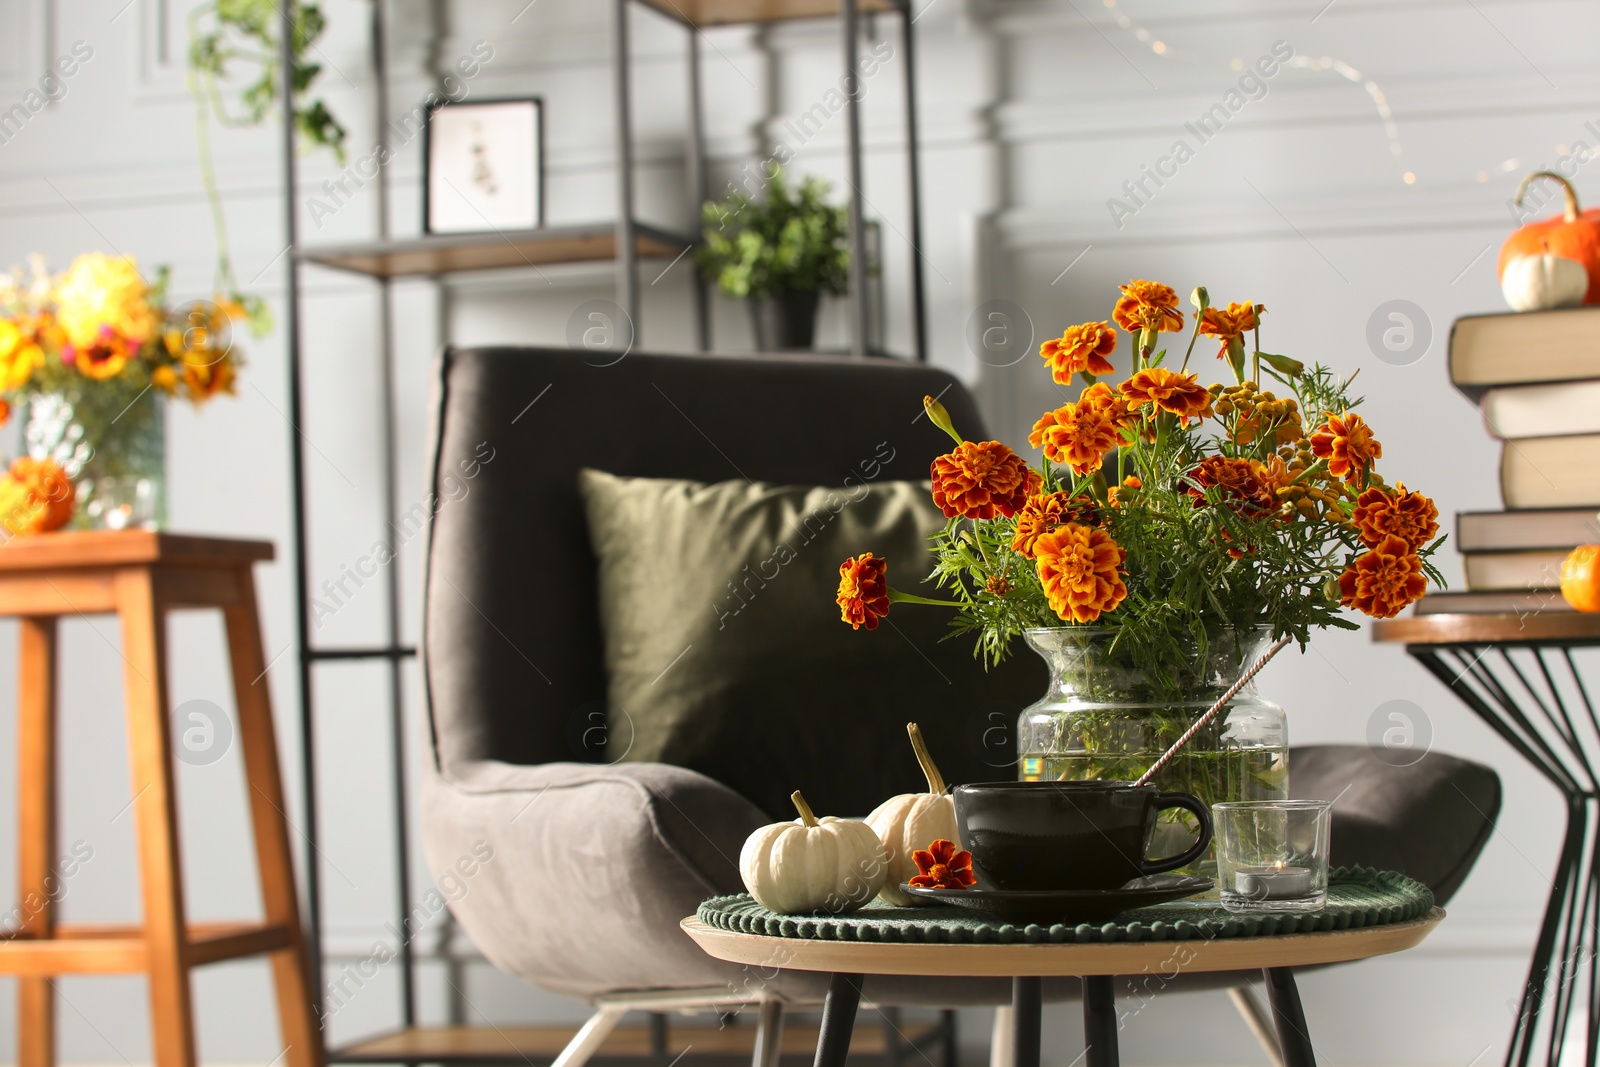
(1196, 807)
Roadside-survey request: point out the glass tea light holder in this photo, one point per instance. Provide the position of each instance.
(1272, 855)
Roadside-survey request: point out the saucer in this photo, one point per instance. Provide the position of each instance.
(1069, 906)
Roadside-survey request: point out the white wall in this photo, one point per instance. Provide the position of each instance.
(1034, 114)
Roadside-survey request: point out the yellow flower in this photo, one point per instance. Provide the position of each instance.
(102, 294)
(164, 379)
(20, 355)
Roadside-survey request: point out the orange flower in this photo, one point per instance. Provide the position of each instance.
(35, 496)
(863, 591)
(979, 480)
(1381, 582)
(1081, 348)
(1248, 487)
(941, 866)
(1230, 324)
(1078, 434)
(5, 411)
(1346, 442)
(104, 359)
(1382, 512)
(1118, 493)
(1041, 514)
(206, 376)
(1167, 390)
(1148, 306)
(1080, 569)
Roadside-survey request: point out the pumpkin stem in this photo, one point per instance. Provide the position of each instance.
(1566, 188)
(929, 770)
(807, 816)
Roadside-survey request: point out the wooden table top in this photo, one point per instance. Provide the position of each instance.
(71, 549)
(1534, 627)
(1030, 960)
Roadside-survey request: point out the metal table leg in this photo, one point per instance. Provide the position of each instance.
(838, 1019)
(1293, 1037)
(1027, 1005)
(1099, 1022)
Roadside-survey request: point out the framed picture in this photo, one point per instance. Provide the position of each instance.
(483, 166)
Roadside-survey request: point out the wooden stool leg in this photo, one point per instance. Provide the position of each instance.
(36, 809)
(155, 809)
(301, 1033)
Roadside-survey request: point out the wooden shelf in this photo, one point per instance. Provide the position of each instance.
(541, 1044)
(1532, 628)
(728, 12)
(434, 254)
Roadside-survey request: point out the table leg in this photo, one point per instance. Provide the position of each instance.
(1027, 1007)
(1099, 1021)
(36, 809)
(838, 1019)
(1293, 1036)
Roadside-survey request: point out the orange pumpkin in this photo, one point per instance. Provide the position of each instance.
(1580, 578)
(1573, 234)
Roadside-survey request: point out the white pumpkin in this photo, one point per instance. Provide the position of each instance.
(913, 821)
(1537, 283)
(811, 865)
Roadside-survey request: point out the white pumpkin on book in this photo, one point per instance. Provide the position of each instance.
(1542, 282)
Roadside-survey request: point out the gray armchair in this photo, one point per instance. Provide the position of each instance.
(591, 865)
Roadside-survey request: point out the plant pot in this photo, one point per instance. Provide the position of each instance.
(110, 439)
(785, 322)
(1107, 718)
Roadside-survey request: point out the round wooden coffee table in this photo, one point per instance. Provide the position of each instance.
(1028, 964)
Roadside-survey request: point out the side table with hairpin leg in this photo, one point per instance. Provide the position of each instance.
(1524, 675)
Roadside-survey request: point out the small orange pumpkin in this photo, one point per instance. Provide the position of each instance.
(1580, 578)
(1573, 234)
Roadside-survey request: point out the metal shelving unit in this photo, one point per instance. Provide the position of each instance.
(625, 241)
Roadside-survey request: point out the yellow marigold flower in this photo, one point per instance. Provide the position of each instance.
(863, 591)
(1346, 442)
(20, 354)
(165, 379)
(1381, 513)
(1384, 580)
(1080, 569)
(36, 496)
(1167, 390)
(979, 480)
(1081, 348)
(1077, 434)
(1229, 325)
(206, 377)
(101, 294)
(1148, 306)
(1044, 513)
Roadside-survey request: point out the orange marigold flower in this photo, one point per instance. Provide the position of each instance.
(1117, 493)
(1382, 581)
(1346, 442)
(997, 585)
(1167, 390)
(1041, 514)
(1079, 433)
(1411, 517)
(35, 496)
(1081, 348)
(104, 359)
(1148, 306)
(942, 866)
(1248, 487)
(1230, 324)
(863, 591)
(979, 480)
(1080, 569)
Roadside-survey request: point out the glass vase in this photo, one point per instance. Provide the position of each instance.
(1108, 718)
(110, 439)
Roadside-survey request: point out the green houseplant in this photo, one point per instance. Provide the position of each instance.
(781, 255)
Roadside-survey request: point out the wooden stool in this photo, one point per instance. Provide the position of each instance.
(140, 575)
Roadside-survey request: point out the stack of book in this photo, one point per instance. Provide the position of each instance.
(1536, 378)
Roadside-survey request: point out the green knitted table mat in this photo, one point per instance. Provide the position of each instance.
(1357, 896)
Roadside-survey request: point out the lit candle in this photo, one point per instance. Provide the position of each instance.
(1272, 883)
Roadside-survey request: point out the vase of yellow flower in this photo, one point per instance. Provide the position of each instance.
(1169, 532)
(93, 354)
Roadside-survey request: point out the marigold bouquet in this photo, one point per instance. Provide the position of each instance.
(1167, 510)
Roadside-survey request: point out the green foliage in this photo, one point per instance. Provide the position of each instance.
(793, 242)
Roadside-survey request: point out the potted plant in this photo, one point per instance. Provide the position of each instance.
(1170, 533)
(781, 255)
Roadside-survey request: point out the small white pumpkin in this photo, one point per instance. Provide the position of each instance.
(913, 821)
(1537, 283)
(811, 864)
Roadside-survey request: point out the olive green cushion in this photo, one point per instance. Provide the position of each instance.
(725, 652)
